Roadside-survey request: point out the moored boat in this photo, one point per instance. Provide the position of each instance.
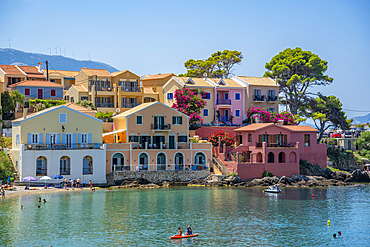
(273, 189)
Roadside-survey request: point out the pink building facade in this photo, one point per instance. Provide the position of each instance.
(272, 147)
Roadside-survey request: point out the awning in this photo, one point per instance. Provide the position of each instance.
(114, 132)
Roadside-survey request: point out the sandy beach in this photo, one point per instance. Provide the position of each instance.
(19, 190)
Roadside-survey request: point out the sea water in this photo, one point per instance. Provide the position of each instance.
(221, 216)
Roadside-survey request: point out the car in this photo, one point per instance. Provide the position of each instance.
(336, 135)
(348, 134)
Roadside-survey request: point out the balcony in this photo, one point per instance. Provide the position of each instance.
(182, 145)
(160, 127)
(104, 86)
(130, 89)
(62, 146)
(129, 105)
(223, 119)
(107, 105)
(259, 98)
(272, 98)
(278, 145)
(223, 102)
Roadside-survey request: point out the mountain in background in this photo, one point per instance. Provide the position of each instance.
(17, 57)
(361, 119)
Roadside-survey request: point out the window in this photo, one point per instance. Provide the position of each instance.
(17, 139)
(206, 95)
(65, 166)
(249, 137)
(237, 96)
(170, 96)
(257, 92)
(84, 138)
(182, 139)
(35, 138)
(62, 117)
(68, 140)
(177, 120)
(52, 92)
(205, 112)
(226, 95)
(53, 138)
(133, 139)
(84, 98)
(87, 165)
(139, 120)
(271, 109)
(307, 140)
(66, 97)
(41, 166)
(237, 113)
(26, 91)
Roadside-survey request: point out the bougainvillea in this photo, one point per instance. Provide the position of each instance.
(226, 138)
(268, 117)
(189, 103)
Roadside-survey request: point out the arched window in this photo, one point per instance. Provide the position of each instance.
(271, 157)
(292, 157)
(87, 165)
(41, 166)
(259, 157)
(65, 166)
(179, 161)
(281, 157)
(118, 162)
(143, 161)
(161, 162)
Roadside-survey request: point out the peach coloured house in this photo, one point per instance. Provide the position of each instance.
(272, 147)
(153, 137)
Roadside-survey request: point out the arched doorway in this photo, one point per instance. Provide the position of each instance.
(87, 165)
(270, 157)
(200, 158)
(179, 161)
(292, 157)
(161, 162)
(259, 157)
(41, 166)
(281, 157)
(118, 162)
(65, 166)
(143, 161)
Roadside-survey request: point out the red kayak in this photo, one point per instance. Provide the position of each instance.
(184, 236)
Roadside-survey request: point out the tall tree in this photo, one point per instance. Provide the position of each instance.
(218, 65)
(9, 101)
(297, 71)
(327, 111)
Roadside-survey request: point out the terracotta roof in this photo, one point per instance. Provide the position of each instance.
(198, 82)
(228, 83)
(36, 83)
(157, 76)
(36, 76)
(98, 72)
(79, 108)
(304, 128)
(135, 109)
(149, 90)
(121, 72)
(258, 81)
(80, 88)
(253, 127)
(30, 69)
(62, 73)
(295, 128)
(11, 69)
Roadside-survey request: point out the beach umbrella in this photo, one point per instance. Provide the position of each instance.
(29, 179)
(45, 178)
(57, 176)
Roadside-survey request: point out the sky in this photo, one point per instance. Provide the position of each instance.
(150, 37)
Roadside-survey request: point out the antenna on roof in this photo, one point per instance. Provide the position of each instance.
(118, 110)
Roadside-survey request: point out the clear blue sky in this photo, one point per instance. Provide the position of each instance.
(149, 37)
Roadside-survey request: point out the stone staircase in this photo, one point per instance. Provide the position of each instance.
(220, 166)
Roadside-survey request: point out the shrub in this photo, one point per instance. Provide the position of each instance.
(226, 138)
(233, 174)
(41, 104)
(267, 174)
(268, 117)
(104, 116)
(6, 167)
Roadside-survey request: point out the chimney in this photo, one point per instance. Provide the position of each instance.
(40, 66)
(280, 122)
(24, 113)
(276, 79)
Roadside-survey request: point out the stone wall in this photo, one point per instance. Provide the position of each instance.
(157, 176)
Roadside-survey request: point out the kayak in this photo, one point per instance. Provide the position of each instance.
(184, 236)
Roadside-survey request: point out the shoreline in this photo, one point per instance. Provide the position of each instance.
(20, 191)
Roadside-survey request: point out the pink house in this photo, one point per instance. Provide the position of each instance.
(272, 147)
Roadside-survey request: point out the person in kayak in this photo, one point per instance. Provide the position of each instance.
(180, 232)
(189, 231)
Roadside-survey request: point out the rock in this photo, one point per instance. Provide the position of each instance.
(360, 176)
(342, 176)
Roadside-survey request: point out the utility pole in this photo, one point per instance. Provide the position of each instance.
(96, 93)
(47, 70)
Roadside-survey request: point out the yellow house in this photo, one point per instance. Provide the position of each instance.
(154, 85)
(65, 140)
(62, 77)
(155, 137)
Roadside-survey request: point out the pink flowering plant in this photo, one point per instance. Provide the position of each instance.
(187, 102)
(268, 117)
(226, 138)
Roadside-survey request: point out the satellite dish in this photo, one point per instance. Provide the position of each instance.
(89, 107)
(204, 74)
(118, 110)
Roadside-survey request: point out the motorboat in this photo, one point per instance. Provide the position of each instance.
(273, 189)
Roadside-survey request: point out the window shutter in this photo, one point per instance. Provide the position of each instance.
(58, 138)
(47, 138)
(168, 95)
(180, 122)
(29, 138)
(64, 138)
(79, 138)
(89, 138)
(40, 138)
(173, 120)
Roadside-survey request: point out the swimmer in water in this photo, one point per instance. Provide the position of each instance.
(334, 235)
(339, 233)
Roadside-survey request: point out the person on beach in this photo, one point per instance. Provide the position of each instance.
(180, 232)
(3, 193)
(71, 181)
(91, 185)
(65, 183)
(78, 182)
(44, 201)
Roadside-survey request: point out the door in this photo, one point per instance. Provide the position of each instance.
(40, 93)
(171, 142)
(158, 122)
(227, 115)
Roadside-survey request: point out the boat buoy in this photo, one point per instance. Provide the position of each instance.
(263, 191)
(313, 195)
(328, 222)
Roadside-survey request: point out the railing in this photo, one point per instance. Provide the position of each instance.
(62, 146)
(130, 89)
(278, 145)
(160, 126)
(107, 86)
(223, 119)
(129, 105)
(108, 105)
(259, 98)
(165, 167)
(272, 98)
(161, 145)
(223, 102)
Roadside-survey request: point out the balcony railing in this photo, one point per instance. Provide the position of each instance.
(164, 167)
(62, 146)
(182, 145)
(130, 89)
(223, 119)
(101, 86)
(259, 97)
(272, 98)
(107, 105)
(223, 102)
(160, 127)
(129, 105)
(278, 145)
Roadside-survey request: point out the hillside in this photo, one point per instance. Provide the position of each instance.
(361, 119)
(12, 56)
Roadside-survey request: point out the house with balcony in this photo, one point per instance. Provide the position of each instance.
(199, 86)
(153, 137)
(63, 140)
(228, 100)
(62, 77)
(260, 91)
(275, 148)
(154, 86)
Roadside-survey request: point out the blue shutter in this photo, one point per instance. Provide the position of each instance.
(58, 138)
(29, 138)
(64, 138)
(41, 138)
(47, 138)
(168, 95)
(89, 138)
(79, 138)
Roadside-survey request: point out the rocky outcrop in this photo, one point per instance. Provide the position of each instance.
(360, 176)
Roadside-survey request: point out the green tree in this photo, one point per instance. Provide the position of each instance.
(327, 111)
(218, 65)
(364, 143)
(9, 101)
(86, 103)
(297, 71)
(6, 167)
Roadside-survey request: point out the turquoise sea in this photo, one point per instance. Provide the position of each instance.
(221, 216)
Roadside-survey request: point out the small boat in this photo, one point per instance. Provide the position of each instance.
(273, 189)
(184, 236)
